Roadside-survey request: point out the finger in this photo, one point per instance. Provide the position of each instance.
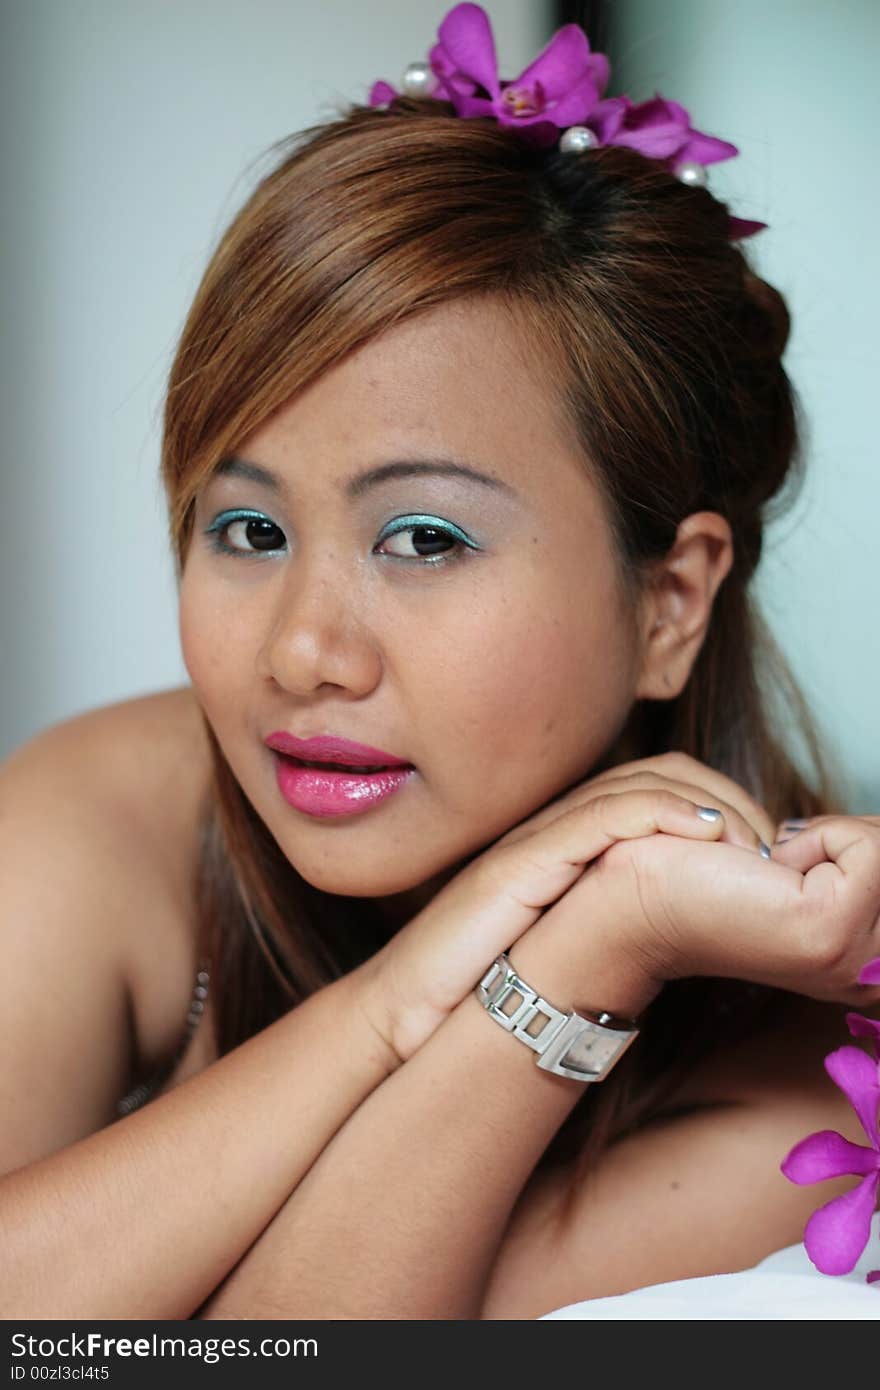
(788, 828)
(840, 840)
(715, 785)
(540, 869)
(737, 828)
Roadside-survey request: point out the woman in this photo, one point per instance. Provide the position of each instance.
(469, 443)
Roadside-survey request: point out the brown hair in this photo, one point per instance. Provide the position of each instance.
(667, 347)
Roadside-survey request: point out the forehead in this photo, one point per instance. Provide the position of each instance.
(465, 378)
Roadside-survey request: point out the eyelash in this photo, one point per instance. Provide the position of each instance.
(410, 522)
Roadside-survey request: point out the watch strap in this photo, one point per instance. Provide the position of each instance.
(583, 1046)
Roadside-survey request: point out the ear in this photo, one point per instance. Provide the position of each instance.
(678, 604)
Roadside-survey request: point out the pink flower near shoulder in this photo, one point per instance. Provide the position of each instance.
(838, 1232)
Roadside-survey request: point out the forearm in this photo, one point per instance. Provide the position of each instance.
(403, 1214)
(144, 1218)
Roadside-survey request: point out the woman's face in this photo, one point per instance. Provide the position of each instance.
(501, 672)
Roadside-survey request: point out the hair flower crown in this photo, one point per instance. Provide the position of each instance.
(560, 91)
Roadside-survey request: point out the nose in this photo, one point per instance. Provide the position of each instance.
(316, 634)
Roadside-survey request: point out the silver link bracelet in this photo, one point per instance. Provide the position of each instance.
(569, 1044)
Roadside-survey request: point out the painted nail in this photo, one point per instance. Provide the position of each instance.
(764, 850)
(708, 813)
(794, 824)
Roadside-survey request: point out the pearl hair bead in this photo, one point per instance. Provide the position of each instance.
(418, 80)
(693, 174)
(576, 139)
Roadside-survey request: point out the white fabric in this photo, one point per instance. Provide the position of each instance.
(784, 1285)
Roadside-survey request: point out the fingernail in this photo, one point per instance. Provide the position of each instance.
(764, 850)
(794, 824)
(708, 813)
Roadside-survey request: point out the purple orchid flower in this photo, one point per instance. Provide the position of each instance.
(661, 129)
(557, 90)
(658, 128)
(561, 88)
(838, 1232)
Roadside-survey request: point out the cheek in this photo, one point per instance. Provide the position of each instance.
(532, 690)
(211, 636)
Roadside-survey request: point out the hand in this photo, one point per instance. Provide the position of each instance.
(806, 920)
(432, 963)
(746, 821)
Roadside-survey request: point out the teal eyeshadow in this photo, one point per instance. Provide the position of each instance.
(401, 523)
(405, 523)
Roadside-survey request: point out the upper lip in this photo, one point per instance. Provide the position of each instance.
(332, 748)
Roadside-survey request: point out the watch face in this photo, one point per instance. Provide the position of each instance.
(592, 1051)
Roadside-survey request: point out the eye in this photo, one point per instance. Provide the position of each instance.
(256, 529)
(434, 542)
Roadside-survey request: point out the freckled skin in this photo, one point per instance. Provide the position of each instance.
(502, 675)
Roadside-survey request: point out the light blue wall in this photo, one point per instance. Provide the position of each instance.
(793, 83)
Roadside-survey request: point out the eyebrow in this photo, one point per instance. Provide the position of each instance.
(234, 467)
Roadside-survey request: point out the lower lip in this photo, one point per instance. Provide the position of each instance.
(320, 793)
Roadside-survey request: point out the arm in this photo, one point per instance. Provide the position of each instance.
(86, 1231)
(89, 1210)
(403, 1214)
(76, 1184)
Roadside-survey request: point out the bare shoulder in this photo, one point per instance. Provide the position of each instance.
(142, 764)
(96, 933)
(154, 768)
(693, 1193)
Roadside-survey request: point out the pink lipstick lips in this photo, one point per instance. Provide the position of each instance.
(333, 776)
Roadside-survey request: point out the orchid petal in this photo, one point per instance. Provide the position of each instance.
(654, 143)
(468, 107)
(837, 1233)
(607, 118)
(448, 76)
(862, 1027)
(705, 149)
(380, 92)
(856, 1074)
(740, 227)
(658, 111)
(576, 105)
(600, 70)
(870, 973)
(562, 63)
(873, 1276)
(466, 36)
(656, 128)
(828, 1155)
(674, 110)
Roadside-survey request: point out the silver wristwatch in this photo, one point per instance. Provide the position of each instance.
(584, 1048)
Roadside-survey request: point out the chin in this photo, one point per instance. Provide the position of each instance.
(370, 881)
(397, 882)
